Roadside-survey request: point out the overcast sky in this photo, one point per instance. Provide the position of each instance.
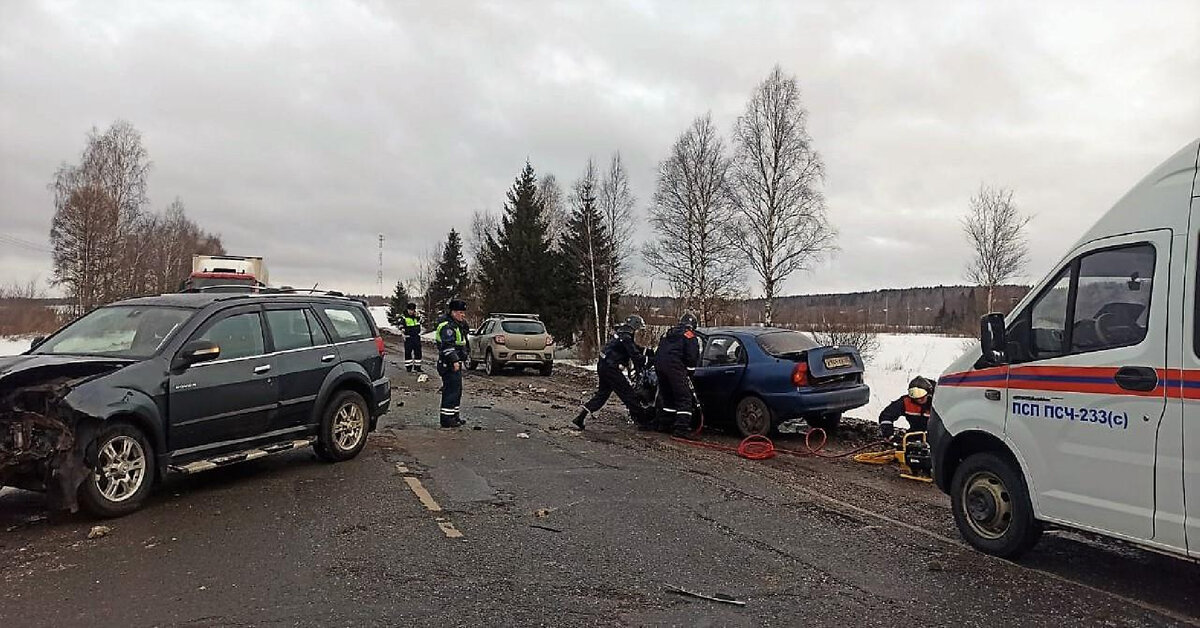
(301, 130)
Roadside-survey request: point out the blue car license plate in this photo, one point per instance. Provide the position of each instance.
(838, 362)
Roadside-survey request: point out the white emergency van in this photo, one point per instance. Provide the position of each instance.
(1081, 408)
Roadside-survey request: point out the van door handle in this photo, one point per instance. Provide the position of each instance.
(259, 370)
(991, 394)
(1139, 378)
(328, 358)
(730, 371)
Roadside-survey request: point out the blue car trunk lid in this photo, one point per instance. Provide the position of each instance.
(834, 365)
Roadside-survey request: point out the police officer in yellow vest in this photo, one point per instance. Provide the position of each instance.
(451, 337)
(412, 338)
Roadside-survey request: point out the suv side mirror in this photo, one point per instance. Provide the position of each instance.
(992, 339)
(195, 352)
(37, 340)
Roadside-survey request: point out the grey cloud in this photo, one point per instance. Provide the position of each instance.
(300, 131)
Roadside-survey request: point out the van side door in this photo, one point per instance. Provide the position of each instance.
(1087, 385)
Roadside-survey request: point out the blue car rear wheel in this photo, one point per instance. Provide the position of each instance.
(754, 417)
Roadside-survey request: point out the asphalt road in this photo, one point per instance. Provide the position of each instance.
(485, 527)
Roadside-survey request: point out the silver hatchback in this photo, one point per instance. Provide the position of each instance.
(518, 340)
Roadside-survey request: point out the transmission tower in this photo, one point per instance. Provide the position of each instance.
(379, 273)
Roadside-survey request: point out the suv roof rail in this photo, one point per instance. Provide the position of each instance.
(286, 290)
(536, 317)
(241, 288)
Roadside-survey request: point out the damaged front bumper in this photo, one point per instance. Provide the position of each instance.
(42, 439)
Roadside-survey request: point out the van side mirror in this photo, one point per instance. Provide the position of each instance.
(993, 339)
(195, 352)
(37, 340)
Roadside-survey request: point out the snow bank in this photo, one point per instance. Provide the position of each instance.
(902, 357)
(14, 345)
(579, 364)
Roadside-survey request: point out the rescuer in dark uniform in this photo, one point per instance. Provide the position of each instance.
(412, 338)
(916, 407)
(451, 334)
(617, 354)
(677, 356)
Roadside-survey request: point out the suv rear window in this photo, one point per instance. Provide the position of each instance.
(781, 343)
(349, 323)
(523, 328)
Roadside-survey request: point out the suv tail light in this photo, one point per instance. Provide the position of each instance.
(379, 346)
(500, 339)
(800, 375)
(549, 340)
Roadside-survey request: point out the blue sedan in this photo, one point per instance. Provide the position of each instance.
(759, 377)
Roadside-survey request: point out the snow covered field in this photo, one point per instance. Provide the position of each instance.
(902, 357)
(379, 313)
(14, 345)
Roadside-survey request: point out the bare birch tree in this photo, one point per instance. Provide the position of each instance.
(616, 202)
(777, 177)
(105, 246)
(550, 195)
(995, 229)
(696, 247)
(587, 245)
(427, 267)
(84, 237)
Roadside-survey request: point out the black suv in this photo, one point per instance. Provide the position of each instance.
(99, 411)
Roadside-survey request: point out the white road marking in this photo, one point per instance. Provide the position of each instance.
(427, 500)
(422, 494)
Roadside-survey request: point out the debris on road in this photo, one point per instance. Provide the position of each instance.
(98, 531)
(545, 512)
(523, 435)
(422, 378)
(716, 597)
(542, 527)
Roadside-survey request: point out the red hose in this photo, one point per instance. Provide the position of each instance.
(761, 448)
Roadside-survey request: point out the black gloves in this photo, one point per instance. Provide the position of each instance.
(886, 429)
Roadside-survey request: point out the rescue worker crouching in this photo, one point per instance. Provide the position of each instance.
(412, 338)
(674, 362)
(916, 407)
(451, 339)
(620, 351)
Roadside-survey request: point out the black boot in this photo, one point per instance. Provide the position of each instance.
(580, 418)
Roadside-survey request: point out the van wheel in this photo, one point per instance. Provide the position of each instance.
(828, 422)
(122, 472)
(991, 506)
(472, 365)
(753, 417)
(343, 427)
(489, 364)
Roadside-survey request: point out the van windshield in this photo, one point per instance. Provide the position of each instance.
(119, 331)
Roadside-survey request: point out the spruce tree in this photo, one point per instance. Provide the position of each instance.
(518, 269)
(396, 307)
(451, 280)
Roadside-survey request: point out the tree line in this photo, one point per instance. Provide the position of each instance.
(724, 208)
(718, 211)
(106, 244)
